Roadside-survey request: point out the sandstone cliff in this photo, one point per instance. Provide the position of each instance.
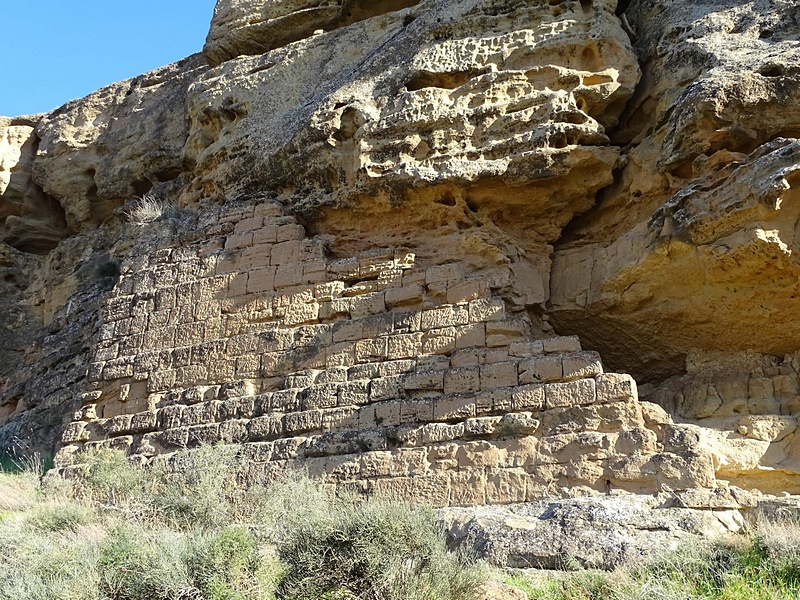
(376, 223)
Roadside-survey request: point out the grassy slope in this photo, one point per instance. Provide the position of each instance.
(127, 533)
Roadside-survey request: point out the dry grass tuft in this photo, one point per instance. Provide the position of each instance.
(147, 209)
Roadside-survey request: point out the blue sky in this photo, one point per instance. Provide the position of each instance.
(57, 50)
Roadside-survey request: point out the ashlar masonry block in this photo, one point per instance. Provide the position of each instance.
(542, 369)
(439, 341)
(581, 392)
(486, 310)
(497, 375)
(334, 375)
(340, 355)
(289, 275)
(248, 224)
(447, 316)
(376, 464)
(431, 489)
(319, 396)
(340, 419)
(505, 486)
(303, 422)
(346, 269)
(370, 350)
(465, 379)
(354, 393)
(528, 397)
(405, 345)
(614, 387)
(467, 488)
(300, 313)
(464, 291)
(75, 432)
(562, 344)
(456, 407)
(367, 304)
(429, 381)
(386, 414)
(416, 411)
(239, 240)
(580, 365)
(444, 273)
(290, 231)
(261, 280)
(386, 388)
(575, 447)
(404, 296)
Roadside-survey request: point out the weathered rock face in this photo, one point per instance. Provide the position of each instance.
(466, 128)
(418, 96)
(32, 221)
(693, 247)
(593, 533)
(95, 153)
(377, 217)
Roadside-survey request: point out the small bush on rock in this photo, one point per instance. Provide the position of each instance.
(147, 209)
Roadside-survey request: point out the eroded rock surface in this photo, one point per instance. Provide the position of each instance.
(466, 128)
(369, 222)
(594, 533)
(693, 247)
(32, 221)
(98, 152)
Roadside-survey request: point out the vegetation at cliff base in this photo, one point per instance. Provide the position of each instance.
(187, 529)
(764, 565)
(200, 526)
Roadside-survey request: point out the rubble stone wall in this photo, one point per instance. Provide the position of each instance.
(379, 373)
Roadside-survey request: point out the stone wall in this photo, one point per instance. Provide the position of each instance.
(380, 373)
(743, 407)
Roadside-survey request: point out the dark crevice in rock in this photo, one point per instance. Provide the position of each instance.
(622, 6)
(623, 348)
(354, 11)
(34, 222)
(446, 81)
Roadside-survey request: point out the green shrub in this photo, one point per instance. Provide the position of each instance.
(110, 479)
(18, 491)
(200, 488)
(136, 564)
(186, 529)
(230, 565)
(371, 550)
(46, 565)
(61, 516)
